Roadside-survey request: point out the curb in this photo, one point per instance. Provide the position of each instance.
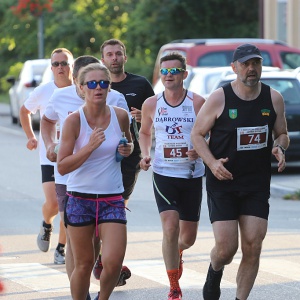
(278, 190)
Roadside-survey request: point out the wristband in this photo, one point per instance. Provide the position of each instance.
(281, 148)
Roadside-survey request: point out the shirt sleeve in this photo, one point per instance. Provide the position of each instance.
(32, 102)
(50, 112)
(148, 89)
(121, 102)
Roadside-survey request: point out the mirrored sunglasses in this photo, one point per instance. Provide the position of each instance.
(104, 84)
(173, 71)
(57, 63)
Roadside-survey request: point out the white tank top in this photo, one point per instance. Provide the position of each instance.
(173, 126)
(100, 173)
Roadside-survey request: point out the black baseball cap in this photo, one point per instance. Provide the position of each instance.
(245, 52)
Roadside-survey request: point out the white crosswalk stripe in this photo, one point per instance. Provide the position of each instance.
(280, 267)
(38, 277)
(43, 279)
(155, 270)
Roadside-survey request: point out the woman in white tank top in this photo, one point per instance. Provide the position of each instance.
(90, 139)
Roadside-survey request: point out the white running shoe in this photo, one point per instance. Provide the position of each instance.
(43, 239)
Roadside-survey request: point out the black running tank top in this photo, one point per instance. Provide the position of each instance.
(243, 133)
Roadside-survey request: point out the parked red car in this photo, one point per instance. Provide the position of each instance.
(218, 53)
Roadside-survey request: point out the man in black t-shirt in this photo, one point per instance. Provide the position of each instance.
(136, 89)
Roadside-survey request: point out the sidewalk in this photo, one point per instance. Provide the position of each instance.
(288, 184)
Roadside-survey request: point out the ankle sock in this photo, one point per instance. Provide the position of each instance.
(47, 225)
(60, 247)
(173, 278)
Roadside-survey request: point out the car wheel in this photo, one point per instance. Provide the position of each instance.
(14, 119)
(35, 126)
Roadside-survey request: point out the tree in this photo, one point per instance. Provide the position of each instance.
(143, 25)
(177, 19)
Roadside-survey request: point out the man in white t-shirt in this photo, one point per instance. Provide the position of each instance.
(61, 66)
(62, 103)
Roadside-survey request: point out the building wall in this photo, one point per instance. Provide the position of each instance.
(293, 23)
(281, 19)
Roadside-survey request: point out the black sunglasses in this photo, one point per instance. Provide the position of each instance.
(104, 84)
(57, 63)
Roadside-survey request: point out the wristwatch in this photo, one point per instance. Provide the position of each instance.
(281, 148)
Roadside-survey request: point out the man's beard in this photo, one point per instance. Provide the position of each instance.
(116, 70)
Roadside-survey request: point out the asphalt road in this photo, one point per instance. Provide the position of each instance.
(28, 273)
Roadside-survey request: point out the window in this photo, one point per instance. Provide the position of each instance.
(216, 59)
(266, 59)
(290, 60)
(289, 89)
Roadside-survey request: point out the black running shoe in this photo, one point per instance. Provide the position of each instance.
(211, 289)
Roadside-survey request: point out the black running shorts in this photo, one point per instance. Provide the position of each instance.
(130, 167)
(225, 206)
(180, 194)
(47, 173)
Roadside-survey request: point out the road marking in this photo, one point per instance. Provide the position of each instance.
(43, 279)
(155, 270)
(38, 277)
(9, 257)
(280, 267)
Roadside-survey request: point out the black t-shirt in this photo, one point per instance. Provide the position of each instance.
(136, 89)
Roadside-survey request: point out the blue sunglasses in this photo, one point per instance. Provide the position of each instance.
(104, 84)
(173, 71)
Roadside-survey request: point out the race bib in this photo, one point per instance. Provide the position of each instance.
(252, 138)
(175, 152)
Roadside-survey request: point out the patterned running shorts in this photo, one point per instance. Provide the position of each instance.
(81, 212)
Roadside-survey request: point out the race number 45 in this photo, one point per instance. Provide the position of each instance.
(175, 152)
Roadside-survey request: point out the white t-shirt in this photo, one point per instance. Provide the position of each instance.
(64, 101)
(38, 100)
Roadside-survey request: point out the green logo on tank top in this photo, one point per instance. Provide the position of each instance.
(265, 112)
(232, 113)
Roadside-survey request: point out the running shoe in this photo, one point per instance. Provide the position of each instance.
(59, 256)
(180, 269)
(211, 289)
(97, 268)
(124, 275)
(175, 295)
(43, 239)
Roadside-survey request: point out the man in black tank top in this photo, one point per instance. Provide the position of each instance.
(246, 124)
